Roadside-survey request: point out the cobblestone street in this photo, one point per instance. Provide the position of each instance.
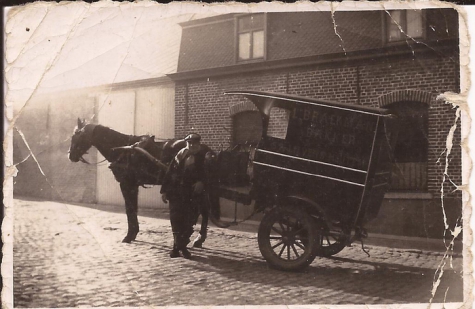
(71, 255)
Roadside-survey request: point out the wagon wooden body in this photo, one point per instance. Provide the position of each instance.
(320, 172)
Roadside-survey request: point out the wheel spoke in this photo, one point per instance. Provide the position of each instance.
(288, 252)
(282, 226)
(301, 238)
(295, 251)
(276, 245)
(275, 237)
(298, 231)
(282, 250)
(300, 245)
(277, 231)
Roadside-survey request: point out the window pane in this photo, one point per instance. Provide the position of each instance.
(244, 23)
(278, 123)
(395, 23)
(258, 44)
(251, 22)
(414, 23)
(244, 46)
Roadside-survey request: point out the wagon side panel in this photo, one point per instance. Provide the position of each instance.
(324, 157)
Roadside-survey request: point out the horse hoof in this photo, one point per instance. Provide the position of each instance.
(127, 240)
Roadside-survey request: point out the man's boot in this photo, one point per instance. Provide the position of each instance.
(181, 244)
(174, 253)
(186, 253)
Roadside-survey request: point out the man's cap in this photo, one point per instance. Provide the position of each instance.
(193, 137)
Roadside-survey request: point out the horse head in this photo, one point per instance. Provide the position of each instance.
(81, 141)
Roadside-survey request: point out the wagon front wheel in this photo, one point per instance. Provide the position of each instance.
(288, 238)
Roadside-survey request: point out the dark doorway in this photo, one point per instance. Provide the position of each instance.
(411, 149)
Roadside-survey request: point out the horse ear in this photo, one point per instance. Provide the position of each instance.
(81, 123)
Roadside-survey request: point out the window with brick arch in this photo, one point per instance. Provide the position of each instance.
(402, 25)
(409, 173)
(251, 37)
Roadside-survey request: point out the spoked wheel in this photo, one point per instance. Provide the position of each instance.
(332, 241)
(288, 238)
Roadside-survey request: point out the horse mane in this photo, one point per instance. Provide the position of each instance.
(105, 139)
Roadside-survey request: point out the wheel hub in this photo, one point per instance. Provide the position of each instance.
(288, 239)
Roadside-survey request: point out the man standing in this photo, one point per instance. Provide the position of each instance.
(183, 187)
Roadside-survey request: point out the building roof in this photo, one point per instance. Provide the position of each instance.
(77, 45)
(211, 43)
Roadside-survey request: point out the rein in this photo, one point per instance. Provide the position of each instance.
(87, 162)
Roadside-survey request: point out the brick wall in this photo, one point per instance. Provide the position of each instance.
(358, 83)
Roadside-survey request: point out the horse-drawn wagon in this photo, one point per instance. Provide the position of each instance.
(319, 174)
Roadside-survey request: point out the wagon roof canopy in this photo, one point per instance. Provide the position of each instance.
(264, 101)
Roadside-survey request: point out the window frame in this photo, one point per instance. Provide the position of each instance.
(405, 105)
(236, 38)
(385, 21)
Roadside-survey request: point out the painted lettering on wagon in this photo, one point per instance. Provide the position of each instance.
(340, 128)
(336, 118)
(353, 159)
(333, 136)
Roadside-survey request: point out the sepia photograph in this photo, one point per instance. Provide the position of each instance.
(229, 154)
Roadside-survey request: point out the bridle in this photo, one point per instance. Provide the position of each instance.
(88, 130)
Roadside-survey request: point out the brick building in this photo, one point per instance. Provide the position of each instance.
(399, 59)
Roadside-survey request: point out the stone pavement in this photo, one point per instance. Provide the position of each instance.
(71, 256)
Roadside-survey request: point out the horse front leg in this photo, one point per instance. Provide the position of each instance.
(130, 192)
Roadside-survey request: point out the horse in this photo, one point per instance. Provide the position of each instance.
(145, 166)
